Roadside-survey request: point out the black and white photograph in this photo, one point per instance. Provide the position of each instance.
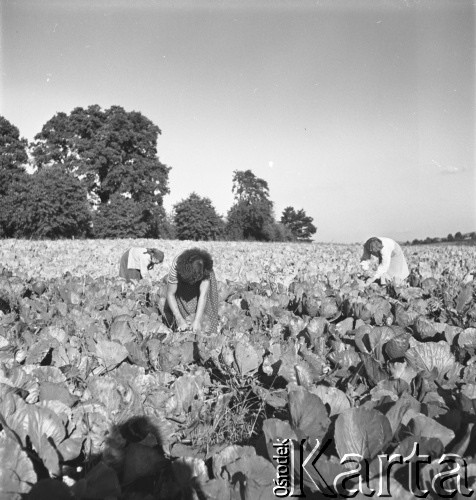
(237, 249)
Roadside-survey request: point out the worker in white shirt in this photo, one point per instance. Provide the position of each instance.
(137, 262)
(392, 263)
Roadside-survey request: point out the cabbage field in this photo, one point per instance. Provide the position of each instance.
(100, 400)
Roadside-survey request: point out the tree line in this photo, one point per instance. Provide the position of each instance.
(458, 237)
(95, 173)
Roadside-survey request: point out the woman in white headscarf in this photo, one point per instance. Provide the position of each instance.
(137, 262)
(392, 263)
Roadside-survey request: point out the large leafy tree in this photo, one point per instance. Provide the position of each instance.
(112, 151)
(13, 158)
(299, 223)
(252, 212)
(51, 204)
(196, 219)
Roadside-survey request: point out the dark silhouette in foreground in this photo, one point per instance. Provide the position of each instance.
(133, 466)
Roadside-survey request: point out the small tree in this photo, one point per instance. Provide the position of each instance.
(252, 211)
(51, 204)
(450, 237)
(458, 236)
(196, 219)
(249, 220)
(276, 231)
(299, 223)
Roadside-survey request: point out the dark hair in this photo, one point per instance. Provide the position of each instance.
(156, 255)
(194, 265)
(374, 247)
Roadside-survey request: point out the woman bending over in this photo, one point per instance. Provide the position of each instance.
(192, 294)
(392, 263)
(136, 262)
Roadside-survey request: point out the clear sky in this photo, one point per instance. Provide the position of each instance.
(360, 112)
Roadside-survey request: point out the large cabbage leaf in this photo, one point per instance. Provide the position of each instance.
(110, 354)
(308, 414)
(335, 398)
(427, 356)
(16, 469)
(362, 431)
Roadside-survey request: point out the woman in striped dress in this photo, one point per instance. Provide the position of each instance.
(392, 263)
(192, 293)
